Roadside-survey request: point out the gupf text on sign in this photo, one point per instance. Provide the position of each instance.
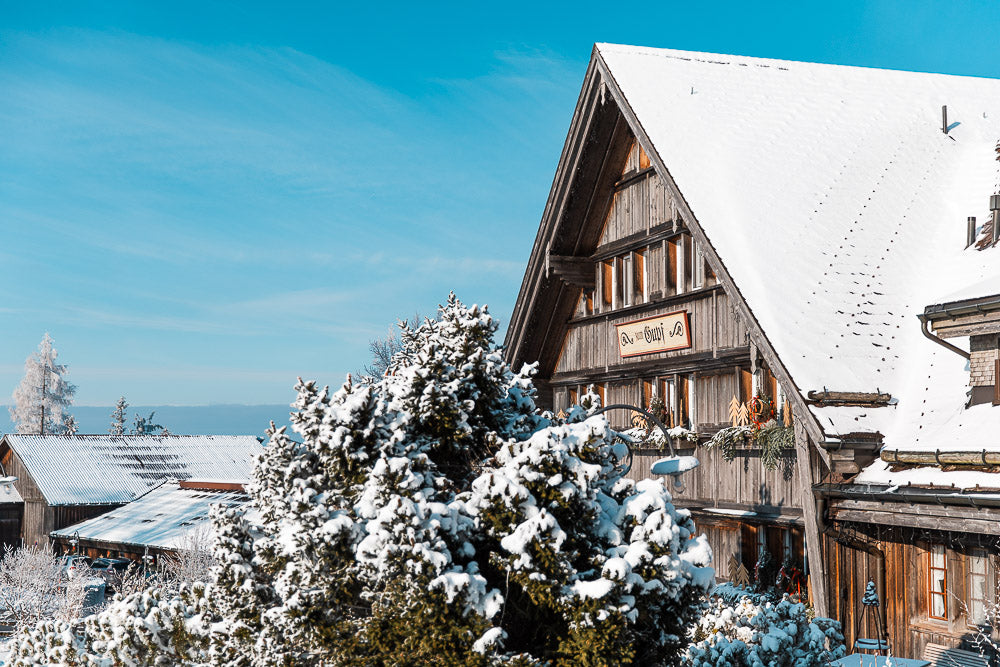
(654, 334)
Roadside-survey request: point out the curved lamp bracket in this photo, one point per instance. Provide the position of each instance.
(673, 465)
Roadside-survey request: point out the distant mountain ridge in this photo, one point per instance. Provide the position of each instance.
(229, 419)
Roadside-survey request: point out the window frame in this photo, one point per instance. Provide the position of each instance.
(931, 592)
(987, 577)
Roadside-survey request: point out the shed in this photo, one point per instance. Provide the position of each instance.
(67, 479)
(171, 517)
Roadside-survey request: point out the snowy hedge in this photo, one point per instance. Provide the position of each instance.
(434, 516)
(769, 633)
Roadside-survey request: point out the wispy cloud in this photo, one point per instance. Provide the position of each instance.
(177, 192)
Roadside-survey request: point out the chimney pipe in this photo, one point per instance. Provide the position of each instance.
(995, 208)
(944, 119)
(970, 233)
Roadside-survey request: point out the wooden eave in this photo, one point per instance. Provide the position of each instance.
(588, 161)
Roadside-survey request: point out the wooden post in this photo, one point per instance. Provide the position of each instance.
(812, 519)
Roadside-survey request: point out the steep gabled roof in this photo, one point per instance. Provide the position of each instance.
(831, 193)
(836, 205)
(108, 470)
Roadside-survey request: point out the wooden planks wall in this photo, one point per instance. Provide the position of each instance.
(903, 595)
(636, 207)
(593, 343)
(743, 481)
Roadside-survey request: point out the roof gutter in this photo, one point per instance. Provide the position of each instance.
(951, 309)
(899, 496)
(924, 320)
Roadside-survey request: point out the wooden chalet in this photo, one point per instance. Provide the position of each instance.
(750, 242)
(64, 480)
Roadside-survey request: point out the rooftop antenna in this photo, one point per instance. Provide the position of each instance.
(944, 119)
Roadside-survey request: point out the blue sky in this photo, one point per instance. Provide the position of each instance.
(201, 201)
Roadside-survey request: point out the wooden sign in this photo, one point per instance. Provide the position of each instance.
(654, 334)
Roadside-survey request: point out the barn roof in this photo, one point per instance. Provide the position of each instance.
(107, 470)
(838, 206)
(168, 517)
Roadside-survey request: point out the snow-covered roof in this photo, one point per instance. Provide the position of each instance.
(168, 517)
(839, 207)
(105, 469)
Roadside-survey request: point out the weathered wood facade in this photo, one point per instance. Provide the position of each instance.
(619, 249)
(618, 244)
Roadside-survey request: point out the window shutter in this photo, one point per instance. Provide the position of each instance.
(607, 281)
(643, 159)
(639, 280)
(672, 267)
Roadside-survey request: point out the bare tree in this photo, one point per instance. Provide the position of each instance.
(384, 349)
(192, 561)
(34, 587)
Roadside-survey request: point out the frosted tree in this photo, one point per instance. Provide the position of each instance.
(70, 427)
(118, 417)
(432, 516)
(42, 399)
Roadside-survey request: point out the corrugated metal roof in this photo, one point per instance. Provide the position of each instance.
(106, 469)
(168, 517)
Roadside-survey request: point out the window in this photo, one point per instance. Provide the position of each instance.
(699, 268)
(977, 565)
(684, 402)
(937, 582)
(673, 260)
(639, 277)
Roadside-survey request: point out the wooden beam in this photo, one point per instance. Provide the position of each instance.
(587, 107)
(812, 513)
(849, 398)
(696, 361)
(576, 271)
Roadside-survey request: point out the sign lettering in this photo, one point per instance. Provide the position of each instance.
(654, 334)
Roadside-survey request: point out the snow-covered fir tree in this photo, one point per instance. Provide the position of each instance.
(118, 417)
(434, 516)
(42, 399)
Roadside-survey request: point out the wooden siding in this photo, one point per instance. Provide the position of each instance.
(592, 343)
(640, 202)
(39, 518)
(33, 526)
(743, 483)
(903, 593)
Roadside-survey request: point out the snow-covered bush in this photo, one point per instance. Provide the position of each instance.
(768, 633)
(433, 516)
(34, 587)
(145, 629)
